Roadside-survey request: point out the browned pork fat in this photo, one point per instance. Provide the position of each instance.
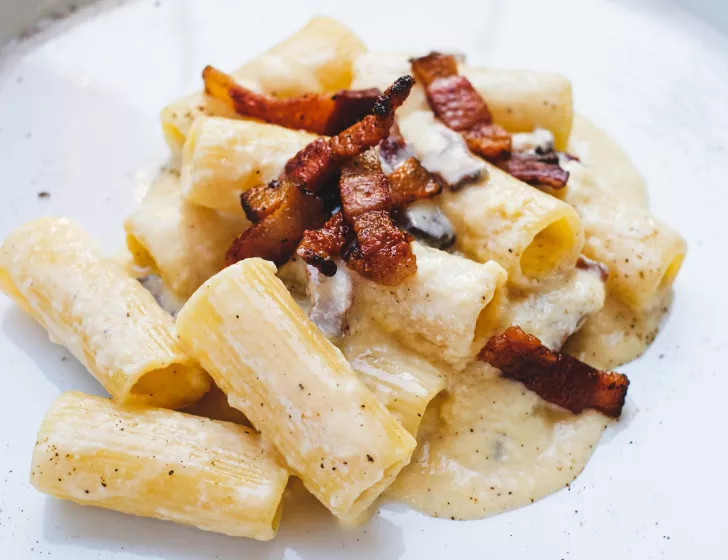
(277, 234)
(320, 113)
(382, 252)
(556, 377)
(318, 162)
(321, 247)
(283, 210)
(410, 182)
(537, 169)
(458, 104)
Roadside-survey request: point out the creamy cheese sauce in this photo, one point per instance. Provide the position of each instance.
(487, 444)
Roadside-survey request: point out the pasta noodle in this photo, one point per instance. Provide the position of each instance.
(400, 379)
(53, 270)
(519, 100)
(158, 463)
(223, 158)
(183, 242)
(444, 310)
(317, 58)
(294, 386)
(531, 234)
(643, 254)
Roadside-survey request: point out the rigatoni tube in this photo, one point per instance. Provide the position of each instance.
(534, 236)
(223, 158)
(642, 253)
(153, 462)
(402, 380)
(294, 386)
(446, 310)
(317, 58)
(182, 242)
(519, 100)
(108, 321)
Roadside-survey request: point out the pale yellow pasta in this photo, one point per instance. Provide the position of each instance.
(294, 386)
(53, 269)
(223, 158)
(317, 58)
(182, 242)
(607, 161)
(519, 100)
(402, 380)
(522, 100)
(532, 235)
(443, 311)
(554, 314)
(153, 462)
(642, 253)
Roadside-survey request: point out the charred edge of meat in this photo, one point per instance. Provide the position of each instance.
(411, 182)
(258, 202)
(322, 247)
(556, 377)
(383, 253)
(393, 96)
(316, 164)
(277, 235)
(318, 113)
(350, 106)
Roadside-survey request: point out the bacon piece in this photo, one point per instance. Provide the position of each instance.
(277, 234)
(382, 252)
(320, 113)
(321, 247)
(410, 182)
(318, 162)
(408, 179)
(556, 377)
(258, 202)
(458, 104)
(537, 169)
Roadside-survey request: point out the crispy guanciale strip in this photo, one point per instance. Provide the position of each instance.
(320, 113)
(318, 162)
(458, 104)
(382, 253)
(321, 247)
(315, 166)
(410, 182)
(556, 377)
(276, 236)
(262, 200)
(537, 169)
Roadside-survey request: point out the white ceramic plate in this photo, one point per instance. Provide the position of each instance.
(78, 119)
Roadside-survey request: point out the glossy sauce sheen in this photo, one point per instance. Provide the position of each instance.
(487, 444)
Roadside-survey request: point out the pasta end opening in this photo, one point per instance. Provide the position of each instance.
(175, 386)
(550, 248)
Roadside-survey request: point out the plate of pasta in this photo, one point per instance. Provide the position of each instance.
(291, 287)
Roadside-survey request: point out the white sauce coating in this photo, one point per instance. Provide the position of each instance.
(331, 298)
(488, 444)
